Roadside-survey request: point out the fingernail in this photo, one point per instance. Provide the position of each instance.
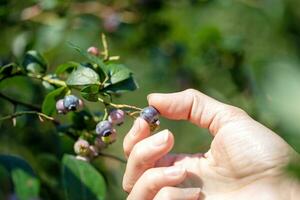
(135, 128)
(174, 171)
(160, 138)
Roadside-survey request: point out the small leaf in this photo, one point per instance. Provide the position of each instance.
(83, 76)
(124, 86)
(117, 72)
(34, 62)
(81, 180)
(26, 184)
(49, 102)
(66, 66)
(90, 93)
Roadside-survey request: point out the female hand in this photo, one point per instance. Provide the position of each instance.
(245, 159)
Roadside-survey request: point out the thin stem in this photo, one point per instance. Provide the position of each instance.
(49, 80)
(112, 157)
(17, 114)
(119, 105)
(14, 101)
(105, 47)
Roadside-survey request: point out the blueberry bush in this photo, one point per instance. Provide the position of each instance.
(97, 79)
(68, 93)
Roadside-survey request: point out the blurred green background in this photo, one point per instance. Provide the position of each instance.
(242, 52)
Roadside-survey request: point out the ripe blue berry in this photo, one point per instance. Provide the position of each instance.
(116, 117)
(71, 102)
(150, 114)
(61, 109)
(104, 128)
(81, 147)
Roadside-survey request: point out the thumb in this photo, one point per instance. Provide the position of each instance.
(196, 107)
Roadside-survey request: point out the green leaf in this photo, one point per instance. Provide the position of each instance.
(81, 180)
(26, 184)
(90, 93)
(83, 76)
(49, 102)
(66, 66)
(99, 68)
(34, 62)
(124, 86)
(117, 72)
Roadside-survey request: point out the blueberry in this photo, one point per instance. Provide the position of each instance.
(104, 128)
(81, 147)
(110, 138)
(116, 116)
(150, 114)
(61, 109)
(71, 102)
(93, 50)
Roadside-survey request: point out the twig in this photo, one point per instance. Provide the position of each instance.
(112, 157)
(13, 101)
(17, 114)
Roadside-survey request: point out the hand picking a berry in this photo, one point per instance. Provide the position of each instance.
(245, 160)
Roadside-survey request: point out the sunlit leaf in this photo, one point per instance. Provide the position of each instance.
(83, 76)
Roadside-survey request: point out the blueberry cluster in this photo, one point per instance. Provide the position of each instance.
(151, 115)
(105, 135)
(68, 103)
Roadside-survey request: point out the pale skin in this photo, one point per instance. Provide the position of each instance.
(245, 159)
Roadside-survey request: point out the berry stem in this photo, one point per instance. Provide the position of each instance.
(119, 105)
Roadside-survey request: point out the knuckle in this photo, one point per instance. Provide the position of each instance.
(235, 111)
(191, 91)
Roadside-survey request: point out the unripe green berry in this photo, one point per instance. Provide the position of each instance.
(93, 50)
(81, 147)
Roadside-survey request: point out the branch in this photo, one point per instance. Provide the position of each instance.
(39, 114)
(112, 157)
(13, 101)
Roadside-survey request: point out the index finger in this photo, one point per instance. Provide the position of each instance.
(196, 107)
